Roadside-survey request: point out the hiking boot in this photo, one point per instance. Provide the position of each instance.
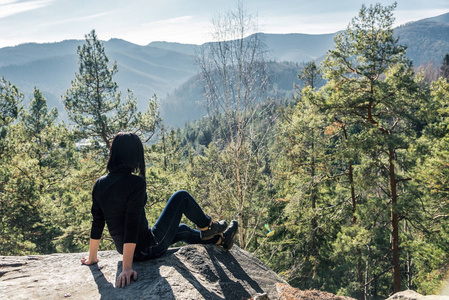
(214, 228)
(228, 236)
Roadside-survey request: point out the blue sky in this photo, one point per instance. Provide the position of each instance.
(184, 21)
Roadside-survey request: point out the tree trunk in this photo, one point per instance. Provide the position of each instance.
(394, 224)
(314, 222)
(360, 278)
(409, 264)
(240, 200)
(354, 221)
(353, 197)
(360, 274)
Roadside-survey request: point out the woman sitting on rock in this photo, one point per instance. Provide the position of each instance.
(119, 199)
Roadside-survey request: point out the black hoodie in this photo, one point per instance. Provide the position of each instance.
(119, 198)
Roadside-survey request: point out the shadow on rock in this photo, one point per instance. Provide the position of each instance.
(104, 286)
(235, 291)
(230, 288)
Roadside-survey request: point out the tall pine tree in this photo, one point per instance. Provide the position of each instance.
(94, 103)
(444, 69)
(370, 82)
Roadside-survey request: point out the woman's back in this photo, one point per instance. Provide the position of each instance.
(119, 199)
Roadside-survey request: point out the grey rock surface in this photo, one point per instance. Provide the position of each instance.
(412, 295)
(190, 272)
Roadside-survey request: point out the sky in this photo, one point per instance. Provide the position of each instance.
(183, 21)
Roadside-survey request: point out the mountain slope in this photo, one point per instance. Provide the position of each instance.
(297, 47)
(441, 18)
(176, 47)
(427, 40)
(168, 69)
(51, 67)
(186, 103)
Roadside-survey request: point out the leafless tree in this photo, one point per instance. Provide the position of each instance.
(234, 72)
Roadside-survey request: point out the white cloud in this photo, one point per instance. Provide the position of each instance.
(77, 19)
(9, 7)
(143, 21)
(185, 29)
(404, 16)
(306, 23)
(177, 20)
(4, 2)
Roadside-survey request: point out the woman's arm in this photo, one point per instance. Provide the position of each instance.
(93, 250)
(96, 230)
(124, 278)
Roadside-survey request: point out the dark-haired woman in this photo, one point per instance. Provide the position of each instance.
(119, 199)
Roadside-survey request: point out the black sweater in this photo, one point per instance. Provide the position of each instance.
(119, 199)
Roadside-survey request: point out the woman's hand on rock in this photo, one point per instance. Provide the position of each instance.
(124, 278)
(88, 261)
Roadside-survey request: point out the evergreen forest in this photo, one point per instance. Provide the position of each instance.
(342, 188)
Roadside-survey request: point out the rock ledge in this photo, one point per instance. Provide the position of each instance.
(191, 272)
(412, 295)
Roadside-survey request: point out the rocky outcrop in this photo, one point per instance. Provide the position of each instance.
(412, 295)
(191, 272)
(286, 292)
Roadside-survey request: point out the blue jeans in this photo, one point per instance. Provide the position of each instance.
(168, 230)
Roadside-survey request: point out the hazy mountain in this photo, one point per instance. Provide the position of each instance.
(168, 69)
(51, 67)
(427, 40)
(185, 103)
(441, 18)
(176, 47)
(298, 47)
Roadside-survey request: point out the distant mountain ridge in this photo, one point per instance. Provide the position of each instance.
(168, 69)
(427, 40)
(444, 18)
(51, 67)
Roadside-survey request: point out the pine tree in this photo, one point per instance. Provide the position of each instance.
(311, 75)
(10, 101)
(94, 103)
(39, 161)
(428, 223)
(302, 173)
(371, 84)
(36, 120)
(10, 106)
(444, 69)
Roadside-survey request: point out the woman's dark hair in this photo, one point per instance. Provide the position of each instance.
(126, 153)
